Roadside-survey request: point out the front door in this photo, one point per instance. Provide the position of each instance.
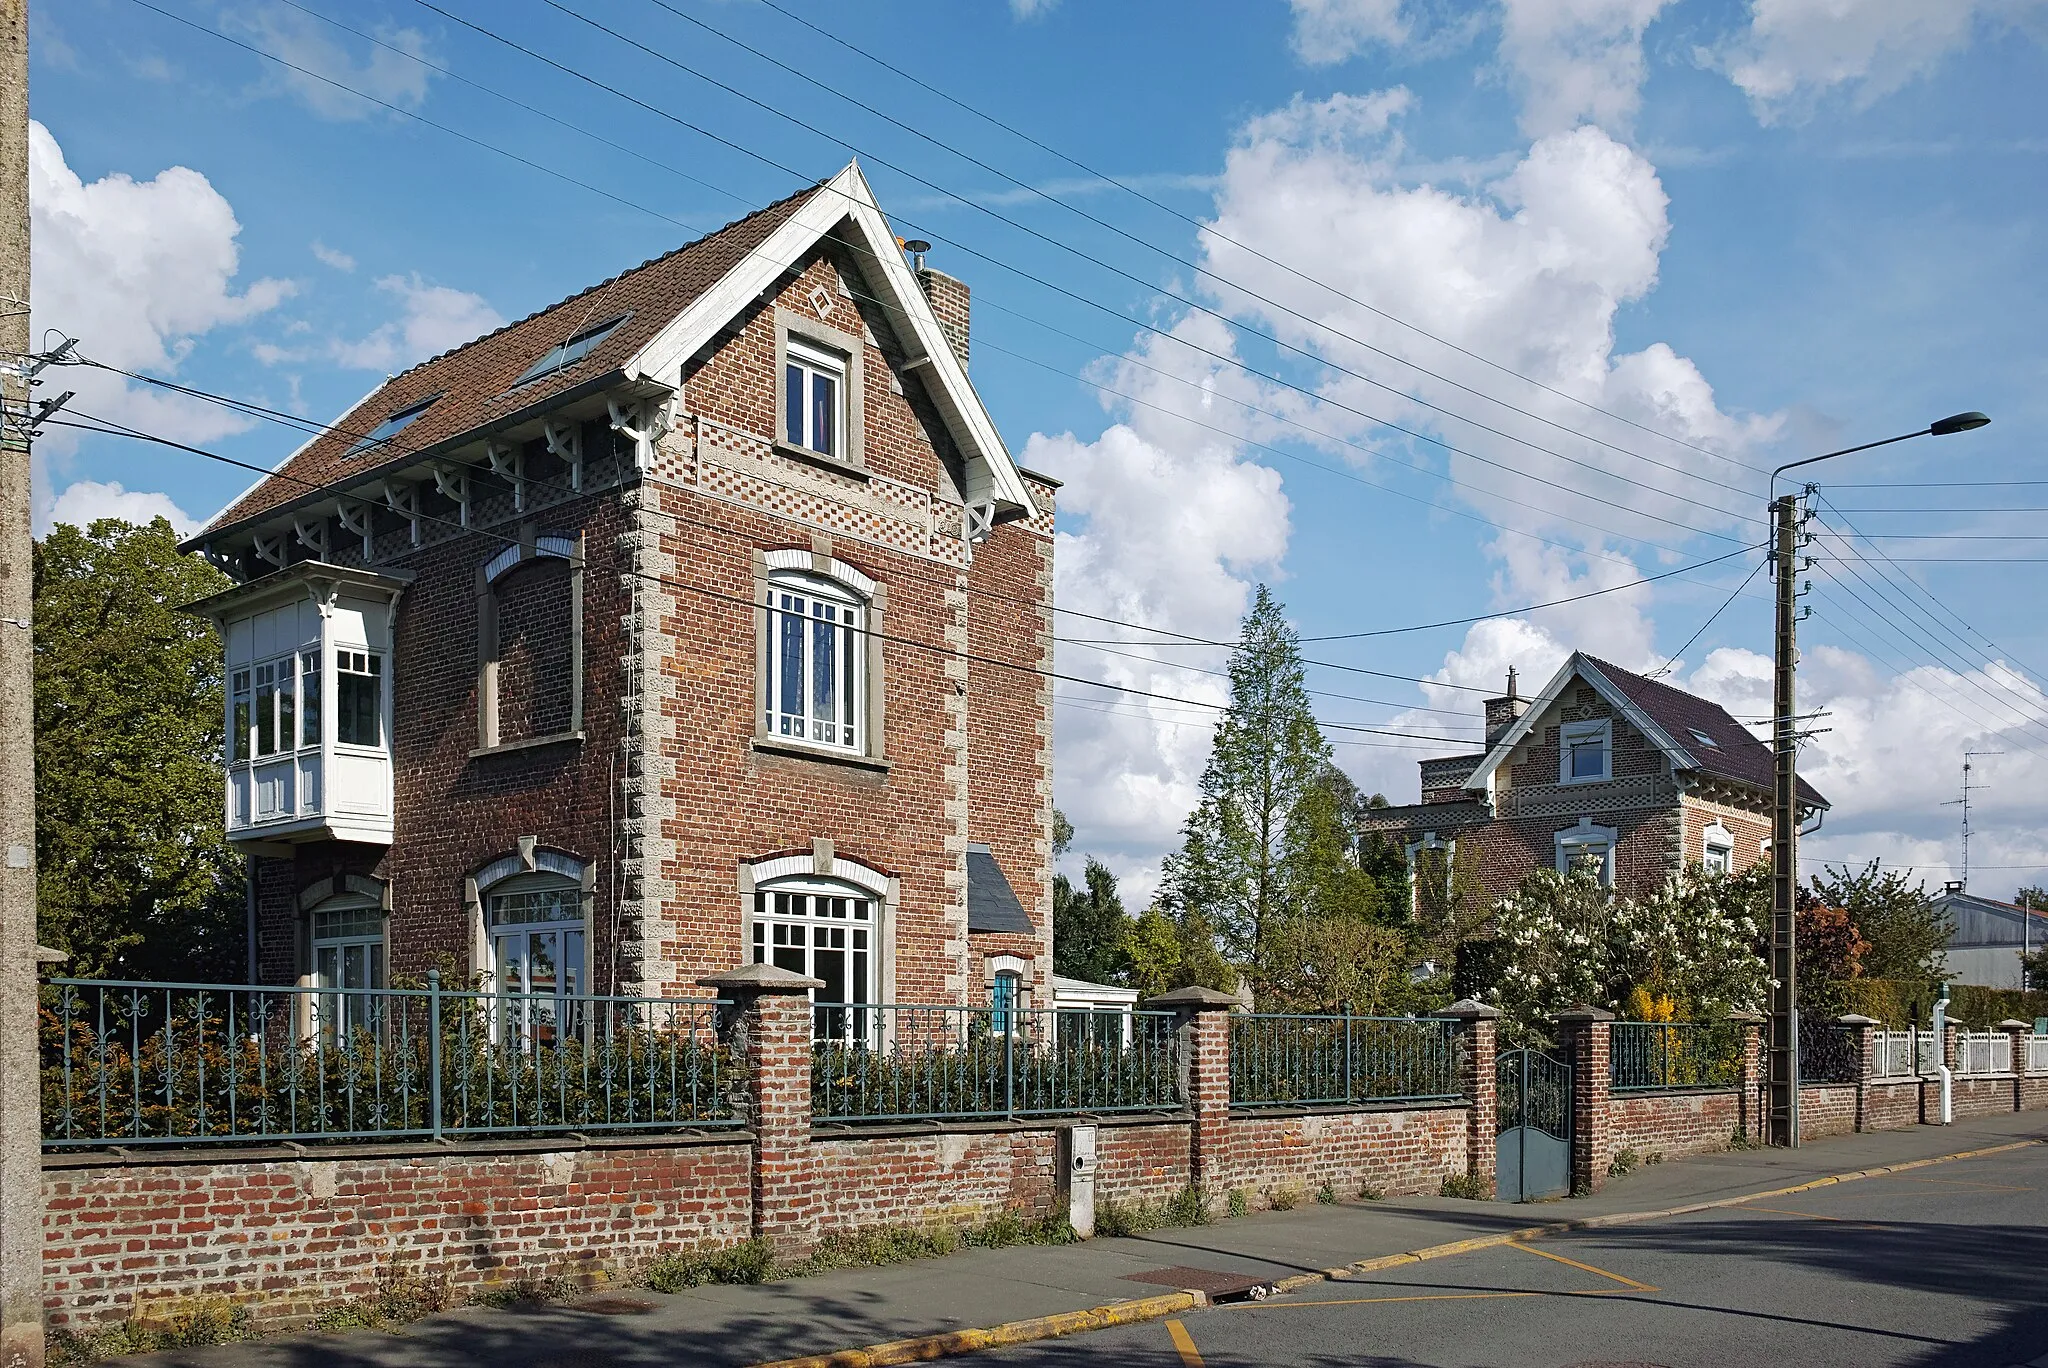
(1533, 1149)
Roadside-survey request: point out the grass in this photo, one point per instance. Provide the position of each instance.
(180, 1325)
(401, 1298)
(1468, 1186)
(750, 1261)
(1191, 1206)
(1623, 1163)
(1368, 1193)
(1282, 1198)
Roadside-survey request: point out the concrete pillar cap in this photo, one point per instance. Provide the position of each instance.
(2010, 1025)
(1194, 999)
(1855, 1019)
(760, 978)
(1583, 1012)
(1747, 1018)
(1470, 1009)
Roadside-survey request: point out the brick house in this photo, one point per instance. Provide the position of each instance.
(1603, 765)
(694, 620)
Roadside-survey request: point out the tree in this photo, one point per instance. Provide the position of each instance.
(1905, 934)
(1176, 950)
(134, 877)
(1090, 929)
(1553, 933)
(1830, 953)
(1386, 864)
(1334, 963)
(1267, 752)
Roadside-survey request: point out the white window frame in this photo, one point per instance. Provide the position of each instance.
(804, 362)
(1574, 842)
(1569, 733)
(1718, 841)
(525, 1014)
(1429, 841)
(360, 662)
(796, 918)
(797, 597)
(338, 1014)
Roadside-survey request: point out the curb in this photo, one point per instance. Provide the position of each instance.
(923, 1348)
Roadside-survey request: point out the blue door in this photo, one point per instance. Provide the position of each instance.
(1533, 1150)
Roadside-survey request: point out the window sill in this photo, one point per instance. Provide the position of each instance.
(834, 464)
(771, 745)
(1589, 779)
(532, 743)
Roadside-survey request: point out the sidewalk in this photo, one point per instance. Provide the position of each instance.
(858, 1307)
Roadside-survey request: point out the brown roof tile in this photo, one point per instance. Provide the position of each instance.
(1735, 752)
(473, 380)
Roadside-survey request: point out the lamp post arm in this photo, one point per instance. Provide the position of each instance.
(1830, 455)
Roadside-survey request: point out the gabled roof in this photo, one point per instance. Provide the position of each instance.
(670, 307)
(1987, 921)
(1698, 736)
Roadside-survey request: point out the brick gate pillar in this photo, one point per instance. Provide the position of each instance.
(2019, 1033)
(1477, 1047)
(1863, 1038)
(1583, 1030)
(1750, 1108)
(769, 1028)
(1202, 1053)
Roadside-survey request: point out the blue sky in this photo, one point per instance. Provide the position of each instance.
(1751, 231)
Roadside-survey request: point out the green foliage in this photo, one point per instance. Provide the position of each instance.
(1285, 1197)
(1326, 1195)
(1240, 1203)
(2035, 966)
(1241, 857)
(1062, 833)
(1367, 1192)
(533, 1290)
(1906, 935)
(1091, 932)
(749, 1261)
(1384, 862)
(1171, 950)
(401, 1298)
(1470, 1187)
(186, 1324)
(1980, 1008)
(1334, 962)
(1191, 1206)
(1893, 1003)
(134, 878)
(1623, 1163)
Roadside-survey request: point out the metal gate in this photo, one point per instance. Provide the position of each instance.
(1533, 1150)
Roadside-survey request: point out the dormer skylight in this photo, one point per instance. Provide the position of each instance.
(398, 422)
(565, 354)
(1703, 738)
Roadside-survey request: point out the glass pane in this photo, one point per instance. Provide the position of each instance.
(791, 647)
(790, 957)
(287, 708)
(239, 727)
(849, 645)
(512, 963)
(376, 964)
(830, 966)
(793, 404)
(327, 966)
(359, 709)
(309, 699)
(824, 413)
(266, 710)
(354, 966)
(824, 672)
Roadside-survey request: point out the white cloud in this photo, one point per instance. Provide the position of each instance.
(137, 271)
(432, 319)
(1576, 60)
(83, 501)
(328, 256)
(1795, 52)
(1032, 9)
(298, 38)
(1330, 31)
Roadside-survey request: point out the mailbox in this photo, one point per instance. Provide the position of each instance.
(1080, 1178)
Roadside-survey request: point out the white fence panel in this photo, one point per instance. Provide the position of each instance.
(1984, 1052)
(1892, 1053)
(2037, 1054)
(1926, 1052)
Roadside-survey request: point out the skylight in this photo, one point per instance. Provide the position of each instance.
(566, 354)
(1703, 738)
(392, 426)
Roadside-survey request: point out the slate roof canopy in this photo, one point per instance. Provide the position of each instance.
(992, 904)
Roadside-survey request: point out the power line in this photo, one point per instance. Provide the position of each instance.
(1074, 295)
(641, 207)
(1672, 659)
(1211, 231)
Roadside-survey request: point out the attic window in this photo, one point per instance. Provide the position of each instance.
(1703, 738)
(398, 422)
(563, 355)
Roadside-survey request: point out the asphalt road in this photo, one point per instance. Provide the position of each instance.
(1944, 1266)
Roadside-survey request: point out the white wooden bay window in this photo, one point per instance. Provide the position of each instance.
(308, 704)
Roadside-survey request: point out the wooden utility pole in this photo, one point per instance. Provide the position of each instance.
(21, 1163)
(1784, 1042)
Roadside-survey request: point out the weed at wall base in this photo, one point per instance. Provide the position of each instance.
(1326, 1195)
(1240, 1202)
(1191, 1206)
(1468, 1186)
(746, 1262)
(181, 1325)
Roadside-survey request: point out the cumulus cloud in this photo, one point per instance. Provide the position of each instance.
(392, 77)
(432, 318)
(1576, 61)
(84, 501)
(138, 271)
(1795, 52)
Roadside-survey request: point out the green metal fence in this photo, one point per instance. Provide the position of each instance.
(1287, 1060)
(182, 1064)
(900, 1063)
(1651, 1056)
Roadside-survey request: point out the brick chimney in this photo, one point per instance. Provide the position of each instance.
(1502, 713)
(949, 302)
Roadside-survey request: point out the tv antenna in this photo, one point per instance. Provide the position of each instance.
(1964, 803)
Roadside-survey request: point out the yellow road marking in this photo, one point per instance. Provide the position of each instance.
(1815, 1216)
(1427, 1297)
(1584, 1267)
(1185, 1343)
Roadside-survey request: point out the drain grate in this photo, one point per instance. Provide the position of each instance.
(1216, 1285)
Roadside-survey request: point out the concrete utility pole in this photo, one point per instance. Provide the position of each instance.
(1784, 1039)
(1783, 1112)
(21, 1124)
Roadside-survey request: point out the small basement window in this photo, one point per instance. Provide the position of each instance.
(398, 422)
(563, 355)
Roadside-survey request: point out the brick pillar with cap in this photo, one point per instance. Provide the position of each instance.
(1202, 1053)
(1750, 1104)
(1477, 1051)
(769, 1027)
(2019, 1033)
(1583, 1030)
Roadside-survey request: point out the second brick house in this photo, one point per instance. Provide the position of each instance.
(696, 619)
(1628, 774)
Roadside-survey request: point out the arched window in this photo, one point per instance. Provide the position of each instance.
(537, 941)
(348, 962)
(816, 662)
(827, 930)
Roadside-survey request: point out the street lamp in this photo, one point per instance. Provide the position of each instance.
(1784, 1053)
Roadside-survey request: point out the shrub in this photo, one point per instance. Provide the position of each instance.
(401, 1298)
(1368, 1193)
(1468, 1186)
(1623, 1163)
(1283, 1198)
(1188, 1207)
(184, 1324)
(1327, 1194)
(1239, 1204)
